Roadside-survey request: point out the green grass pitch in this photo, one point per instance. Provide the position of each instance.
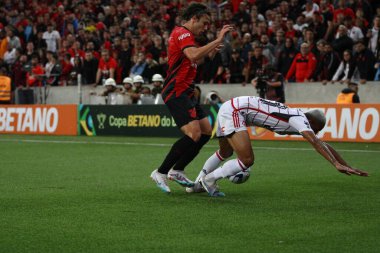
(81, 194)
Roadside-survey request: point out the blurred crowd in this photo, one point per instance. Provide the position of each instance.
(51, 42)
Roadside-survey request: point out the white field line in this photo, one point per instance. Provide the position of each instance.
(168, 145)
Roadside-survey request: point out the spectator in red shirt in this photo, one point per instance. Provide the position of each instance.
(303, 65)
(66, 68)
(106, 68)
(342, 9)
(290, 31)
(34, 77)
(75, 50)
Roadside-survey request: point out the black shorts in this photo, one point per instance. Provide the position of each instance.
(184, 110)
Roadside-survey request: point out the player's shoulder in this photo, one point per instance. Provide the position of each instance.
(181, 32)
(180, 29)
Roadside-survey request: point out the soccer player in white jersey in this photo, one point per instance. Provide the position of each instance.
(233, 118)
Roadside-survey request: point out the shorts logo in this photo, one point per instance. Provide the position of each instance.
(183, 36)
(193, 113)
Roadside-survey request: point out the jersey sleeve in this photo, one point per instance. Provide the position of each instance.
(185, 39)
(300, 123)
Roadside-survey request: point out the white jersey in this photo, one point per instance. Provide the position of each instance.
(238, 113)
(51, 40)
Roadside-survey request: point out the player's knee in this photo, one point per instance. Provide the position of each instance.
(195, 135)
(208, 132)
(247, 161)
(226, 153)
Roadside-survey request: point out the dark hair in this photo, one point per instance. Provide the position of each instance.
(35, 55)
(348, 51)
(351, 61)
(195, 9)
(361, 41)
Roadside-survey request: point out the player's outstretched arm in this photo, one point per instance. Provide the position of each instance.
(325, 151)
(342, 161)
(196, 54)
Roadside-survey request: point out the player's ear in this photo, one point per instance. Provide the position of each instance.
(195, 19)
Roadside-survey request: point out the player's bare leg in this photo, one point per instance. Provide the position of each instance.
(241, 144)
(225, 150)
(200, 132)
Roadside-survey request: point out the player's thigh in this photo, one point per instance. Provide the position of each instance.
(205, 126)
(192, 129)
(225, 148)
(241, 144)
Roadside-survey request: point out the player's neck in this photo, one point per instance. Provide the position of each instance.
(188, 25)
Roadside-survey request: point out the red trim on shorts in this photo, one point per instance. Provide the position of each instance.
(232, 104)
(234, 118)
(237, 119)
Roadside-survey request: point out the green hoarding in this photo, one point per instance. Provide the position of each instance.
(132, 120)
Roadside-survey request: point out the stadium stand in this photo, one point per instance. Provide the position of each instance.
(64, 39)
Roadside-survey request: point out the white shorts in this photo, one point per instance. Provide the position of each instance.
(229, 120)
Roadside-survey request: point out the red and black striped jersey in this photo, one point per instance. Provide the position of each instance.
(271, 115)
(182, 71)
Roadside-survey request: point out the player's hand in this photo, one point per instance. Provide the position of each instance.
(349, 171)
(361, 172)
(218, 48)
(222, 33)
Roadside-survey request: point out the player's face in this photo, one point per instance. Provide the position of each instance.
(201, 24)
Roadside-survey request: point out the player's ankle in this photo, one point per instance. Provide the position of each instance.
(210, 179)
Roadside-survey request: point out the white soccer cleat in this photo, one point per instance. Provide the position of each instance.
(211, 188)
(160, 180)
(197, 188)
(180, 177)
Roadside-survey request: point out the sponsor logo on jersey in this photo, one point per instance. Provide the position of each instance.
(274, 104)
(183, 36)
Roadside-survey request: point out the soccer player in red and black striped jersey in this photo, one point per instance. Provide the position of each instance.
(233, 118)
(178, 94)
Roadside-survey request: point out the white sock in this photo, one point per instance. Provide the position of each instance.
(213, 162)
(230, 168)
(210, 165)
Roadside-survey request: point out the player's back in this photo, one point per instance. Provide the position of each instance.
(268, 114)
